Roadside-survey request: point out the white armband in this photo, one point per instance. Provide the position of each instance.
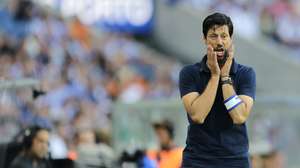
(232, 102)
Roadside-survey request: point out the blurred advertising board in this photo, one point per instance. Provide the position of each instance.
(130, 16)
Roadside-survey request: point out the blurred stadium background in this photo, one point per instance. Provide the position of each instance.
(111, 66)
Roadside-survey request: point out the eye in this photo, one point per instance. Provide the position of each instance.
(213, 36)
(224, 36)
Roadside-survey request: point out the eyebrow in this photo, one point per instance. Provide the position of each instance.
(214, 33)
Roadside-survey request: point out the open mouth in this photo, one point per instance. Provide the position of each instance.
(221, 55)
(220, 52)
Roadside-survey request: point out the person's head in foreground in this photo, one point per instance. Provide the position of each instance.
(36, 140)
(217, 33)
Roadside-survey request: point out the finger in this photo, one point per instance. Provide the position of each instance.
(215, 57)
(231, 51)
(210, 54)
(209, 50)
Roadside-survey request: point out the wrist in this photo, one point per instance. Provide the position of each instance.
(215, 76)
(224, 75)
(226, 80)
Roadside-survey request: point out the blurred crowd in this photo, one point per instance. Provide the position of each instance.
(278, 19)
(83, 72)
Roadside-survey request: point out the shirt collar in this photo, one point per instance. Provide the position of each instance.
(204, 67)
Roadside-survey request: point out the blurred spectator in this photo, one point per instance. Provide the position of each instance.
(137, 159)
(80, 32)
(16, 18)
(244, 17)
(35, 153)
(57, 144)
(274, 159)
(90, 154)
(288, 26)
(168, 154)
(267, 141)
(82, 70)
(278, 19)
(270, 13)
(9, 115)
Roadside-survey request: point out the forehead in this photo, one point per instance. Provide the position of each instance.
(160, 129)
(42, 135)
(218, 29)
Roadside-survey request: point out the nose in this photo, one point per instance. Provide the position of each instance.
(45, 145)
(219, 40)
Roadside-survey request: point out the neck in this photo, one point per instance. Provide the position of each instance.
(221, 65)
(168, 146)
(31, 155)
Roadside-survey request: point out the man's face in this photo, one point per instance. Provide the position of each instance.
(86, 137)
(163, 136)
(40, 144)
(218, 37)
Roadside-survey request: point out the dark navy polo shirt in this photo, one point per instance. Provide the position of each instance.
(217, 137)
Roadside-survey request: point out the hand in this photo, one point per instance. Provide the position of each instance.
(225, 70)
(212, 61)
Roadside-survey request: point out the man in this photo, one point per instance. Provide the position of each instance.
(218, 95)
(274, 159)
(169, 155)
(35, 144)
(90, 153)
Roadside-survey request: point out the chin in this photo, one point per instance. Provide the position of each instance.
(41, 156)
(221, 62)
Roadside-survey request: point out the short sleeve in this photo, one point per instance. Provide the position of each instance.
(247, 83)
(187, 81)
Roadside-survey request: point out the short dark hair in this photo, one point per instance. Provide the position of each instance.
(218, 19)
(167, 125)
(29, 134)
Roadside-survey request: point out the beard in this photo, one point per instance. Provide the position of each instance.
(224, 59)
(222, 54)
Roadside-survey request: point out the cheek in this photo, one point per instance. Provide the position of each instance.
(228, 43)
(211, 42)
(162, 136)
(165, 137)
(36, 149)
